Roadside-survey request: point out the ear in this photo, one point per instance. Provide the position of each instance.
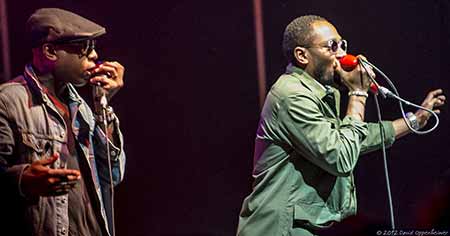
(49, 52)
(301, 56)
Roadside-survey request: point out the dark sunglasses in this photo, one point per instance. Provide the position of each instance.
(86, 46)
(333, 45)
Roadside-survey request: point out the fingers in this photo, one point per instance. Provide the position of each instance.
(60, 185)
(114, 69)
(438, 101)
(65, 173)
(101, 80)
(115, 73)
(441, 100)
(362, 57)
(434, 99)
(369, 70)
(48, 161)
(435, 92)
(60, 188)
(108, 69)
(114, 64)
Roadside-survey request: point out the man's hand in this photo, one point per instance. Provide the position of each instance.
(40, 180)
(356, 80)
(114, 81)
(433, 99)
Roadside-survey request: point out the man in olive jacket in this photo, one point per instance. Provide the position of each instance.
(305, 153)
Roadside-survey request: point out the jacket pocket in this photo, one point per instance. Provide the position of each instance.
(314, 216)
(37, 147)
(32, 142)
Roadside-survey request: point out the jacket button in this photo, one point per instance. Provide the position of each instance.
(63, 134)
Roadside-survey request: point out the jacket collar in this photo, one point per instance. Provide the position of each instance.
(309, 82)
(323, 92)
(40, 91)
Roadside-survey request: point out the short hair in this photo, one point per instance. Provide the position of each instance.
(298, 33)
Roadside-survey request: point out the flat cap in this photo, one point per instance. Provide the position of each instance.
(58, 25)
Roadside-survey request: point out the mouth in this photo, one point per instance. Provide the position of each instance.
(87, 74)
(89, 71)
(91, 68)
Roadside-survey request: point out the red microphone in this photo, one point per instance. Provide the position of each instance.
(349, 62)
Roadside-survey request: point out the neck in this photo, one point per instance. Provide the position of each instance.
(48, 80)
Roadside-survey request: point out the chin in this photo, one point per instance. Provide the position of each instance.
(80, 84)
(328, 80)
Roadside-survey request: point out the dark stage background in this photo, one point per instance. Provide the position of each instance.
(189, 109)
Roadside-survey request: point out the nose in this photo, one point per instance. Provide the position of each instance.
(340, 53)
(93, 55)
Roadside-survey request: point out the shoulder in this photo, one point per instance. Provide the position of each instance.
(13, 89)
(289, 88)
(288, 84)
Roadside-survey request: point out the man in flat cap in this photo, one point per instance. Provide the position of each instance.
(55, 171)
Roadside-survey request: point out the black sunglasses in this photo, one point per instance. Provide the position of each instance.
(86, 46)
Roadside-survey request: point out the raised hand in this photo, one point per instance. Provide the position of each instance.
(114, 81)
(433, 100)
(356, 80)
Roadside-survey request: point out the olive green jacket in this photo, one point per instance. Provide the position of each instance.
(304, 159)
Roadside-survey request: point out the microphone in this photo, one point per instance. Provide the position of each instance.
(350, 62)
(99, 93)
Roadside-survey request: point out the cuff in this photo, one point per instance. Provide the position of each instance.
(15, 173)
(359, 126)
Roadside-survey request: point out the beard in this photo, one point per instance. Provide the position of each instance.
(324, 75)
(328, 77)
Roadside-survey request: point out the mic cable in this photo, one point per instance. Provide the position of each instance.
(349, 62)
(99, 95)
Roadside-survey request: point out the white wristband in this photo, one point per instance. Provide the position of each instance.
(358, 93)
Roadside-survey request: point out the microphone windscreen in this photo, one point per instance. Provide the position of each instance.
(348, 62)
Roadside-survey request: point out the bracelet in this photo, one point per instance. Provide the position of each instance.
(412, 120)
(358, 93)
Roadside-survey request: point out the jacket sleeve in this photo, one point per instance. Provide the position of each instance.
(116, 152)
(10, 175)
(315, 137)
(373, 140)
